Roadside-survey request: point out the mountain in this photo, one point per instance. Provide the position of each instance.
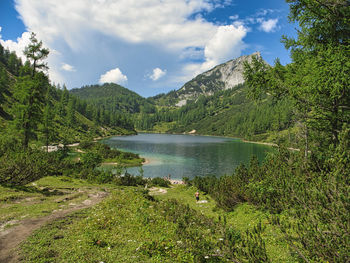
(225, 113)
(213, 103)
(222, 77)
(113, 97)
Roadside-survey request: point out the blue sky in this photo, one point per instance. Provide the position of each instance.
(148, 46)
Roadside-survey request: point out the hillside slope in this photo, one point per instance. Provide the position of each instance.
(113, 97)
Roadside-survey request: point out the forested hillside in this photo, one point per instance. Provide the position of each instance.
(34, 110)
(114, 98)
(226, 113)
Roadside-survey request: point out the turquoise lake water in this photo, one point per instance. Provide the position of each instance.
(187, 155)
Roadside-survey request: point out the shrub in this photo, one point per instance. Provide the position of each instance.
(160, 182)
(130, 180)
(91, 160)
(23, 167)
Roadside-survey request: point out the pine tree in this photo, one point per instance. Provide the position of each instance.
(35, 53)
(30, 92)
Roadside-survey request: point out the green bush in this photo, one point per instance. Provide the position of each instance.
(159, 182)
(22, 167)
(130, 180)
(91, 160)
(86, 145)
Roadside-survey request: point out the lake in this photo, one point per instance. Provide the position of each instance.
(187, 155)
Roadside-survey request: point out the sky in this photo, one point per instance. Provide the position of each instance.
(147, 46)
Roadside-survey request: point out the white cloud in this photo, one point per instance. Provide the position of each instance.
(268, 25)
(17, 46)
(226, 44)
(68, 67)
(152, 21)
(157, 74)
(77, 30)
(234, 17)
(114, 75)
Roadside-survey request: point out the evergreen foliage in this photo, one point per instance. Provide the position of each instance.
(317, 81)
(309, 197)
(226, 113)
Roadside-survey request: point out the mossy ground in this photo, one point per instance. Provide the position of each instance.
(128, 226)
(43, 196)
(244, 217)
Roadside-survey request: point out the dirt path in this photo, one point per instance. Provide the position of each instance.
(12, 237)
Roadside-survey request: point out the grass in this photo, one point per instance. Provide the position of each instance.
(126, 227)
(129, 226)
(243, 218)
(42, 197)
(125, 162)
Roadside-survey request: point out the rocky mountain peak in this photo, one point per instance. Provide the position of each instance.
(222, 77)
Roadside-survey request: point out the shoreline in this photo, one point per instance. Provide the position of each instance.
(147, 161)
(271, 144)
(176, 181)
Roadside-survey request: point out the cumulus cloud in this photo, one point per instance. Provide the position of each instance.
(68, 67)
(113, 75)
(17, 46)
(172, 26)
(268, 25)
(133, 21)
(226, 44)
(157, 74)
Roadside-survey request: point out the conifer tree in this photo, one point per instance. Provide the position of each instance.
(30, 92)
(36, 54)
